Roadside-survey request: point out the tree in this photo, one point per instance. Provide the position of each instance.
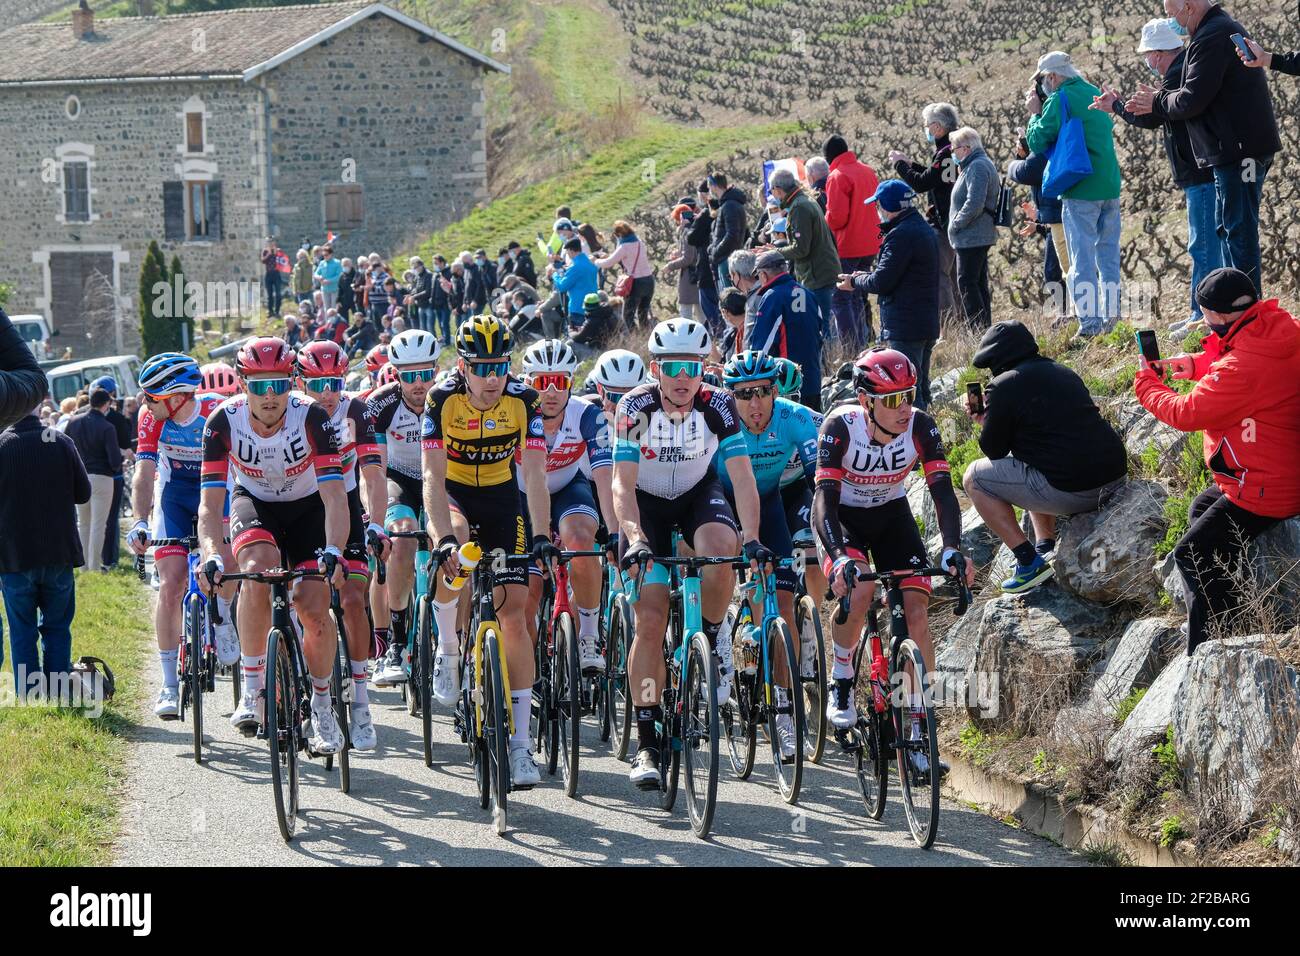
(155, 307)
(183, 319)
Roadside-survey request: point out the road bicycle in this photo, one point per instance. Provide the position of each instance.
(812, 661)
(421, 639)
(616, 625)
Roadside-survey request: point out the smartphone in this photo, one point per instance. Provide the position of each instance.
(1150, 348)
(975, 397)
(1238, 39)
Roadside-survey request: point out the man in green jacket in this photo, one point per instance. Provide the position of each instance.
(811, 249)
(1090, 208)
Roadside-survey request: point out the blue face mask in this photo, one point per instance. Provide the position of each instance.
(1177, 27)
(1155, 72)
(929, 137)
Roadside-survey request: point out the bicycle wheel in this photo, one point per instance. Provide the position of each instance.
(700, 733)
(619, 698)
(474, 730)
(194, 670)
(737, 716)
(236, 669)
(918, 759)
(600, 686)
(424, 666)
(282, 729)
(812, 674)
(496, 729)
(670, 752)
(341, 694)
(780, 652)
(567, 679)
(410, 692)
(538, 731)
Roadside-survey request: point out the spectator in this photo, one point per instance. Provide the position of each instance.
(937, 179)
(359, 284)
(398, 323)
(361, 336)
(1048, 449)
(1090, 208)
(576, 280)
(785, 325)
(566, 229)
(905, 280)
(1043, 215)
(742, 270)
(706, 277)
(96, 441)
(522, 263)
(631, 256)
(42, 480)
(122, 426)
(761, 236)
(347, 294)
(857, 234)
(682, 262)
(67, 408)
(1247, 402)
(328, 271)
(456, 295)
(334, 327)
(487, 273)
(811, 250)
(598, 323)
(476, 291)
(419, 301)
(733, 306)
(377, 296)
(1230, 122)
(441, 298)
(817, 169)
(729, 224)
(301, 282)
(292, 335)
(971, 229)
(1263, 60)
(271, 281)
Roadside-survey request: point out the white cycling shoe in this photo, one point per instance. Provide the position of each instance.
(250, 713)
(726, 666)
(227, 643)
(446, 687)
(389, 669)
(363, 728)
(589, 656)
(168, 706)
(840, 710)
(644, 774)
(523, 768)
(786, 736)
(326, 735)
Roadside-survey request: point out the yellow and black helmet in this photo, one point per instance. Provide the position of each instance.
(484, 337)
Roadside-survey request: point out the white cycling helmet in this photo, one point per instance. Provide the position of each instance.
(412, 347)
(619, 369)
(550, 355)
(680, 337)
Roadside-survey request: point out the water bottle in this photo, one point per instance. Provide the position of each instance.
(749, 649)
(879, 678)
(470, 555)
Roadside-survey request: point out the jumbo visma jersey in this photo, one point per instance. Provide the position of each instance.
(481, 444)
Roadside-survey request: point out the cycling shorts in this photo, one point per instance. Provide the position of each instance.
(495, 516)
(889, 533)
(296, 528)
(176, 509)
(574, 498)
(405, 498)
(703, 504)
(798, 512)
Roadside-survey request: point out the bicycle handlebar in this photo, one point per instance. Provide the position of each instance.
(852, 576)
(271, 576)
(381, 570)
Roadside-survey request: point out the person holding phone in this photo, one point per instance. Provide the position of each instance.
(1049, 450)
(1261, 59)
(1247, 403)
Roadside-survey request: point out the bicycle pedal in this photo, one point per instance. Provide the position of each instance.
(168, 718)
(520, 787)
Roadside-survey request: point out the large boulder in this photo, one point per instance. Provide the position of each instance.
(1141, 430)
(1149, 720)
(1105, 555)
(1235, 720)
(977, 540)
(1276, 555)
(944, 388)
(1172, 580)
(954, 652)
(921, 502)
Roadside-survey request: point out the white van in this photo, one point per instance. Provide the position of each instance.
(35, 331)
(67, 380)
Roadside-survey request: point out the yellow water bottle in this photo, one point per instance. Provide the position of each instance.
(470, 555)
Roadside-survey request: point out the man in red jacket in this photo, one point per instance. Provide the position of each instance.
(856, 228)
(1247, 401)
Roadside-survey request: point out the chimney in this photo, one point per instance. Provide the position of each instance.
(83, 21)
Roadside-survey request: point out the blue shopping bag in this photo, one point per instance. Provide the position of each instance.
(1068, 162)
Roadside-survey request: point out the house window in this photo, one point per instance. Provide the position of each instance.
(193, 132)
(192, 210)
(345, 206)
(196, 211)
(76, 192)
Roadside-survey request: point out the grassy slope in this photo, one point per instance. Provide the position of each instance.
(60, 772)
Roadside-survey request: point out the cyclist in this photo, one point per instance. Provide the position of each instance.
(797, 495)
(376, 359)
(288, 506)
(616, 373)
(220, 378)
(322, 367)
(774, 428)
(475, 421)
(169, 459)
(395, 410)
(865, 451)
(669, 432)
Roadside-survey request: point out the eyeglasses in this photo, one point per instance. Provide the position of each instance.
(693, 369)
(897, 399)
(323, 384)
(263, 386)
(484, 369)
(609, 395)
(418, 375)
(542, 381)
(758, 391)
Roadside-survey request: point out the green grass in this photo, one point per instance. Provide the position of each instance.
(1171, 830)
(61, 772)
(1125, 706)
(1171, 772)
(976, 745)
(578, 54)
(1191, 477)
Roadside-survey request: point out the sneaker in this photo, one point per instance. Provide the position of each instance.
(786, 737)
(169, 704)
(726, 666)
(589, 655)
(326, 736)
(807, 659)
(523, 768)
(1046, 550)
(1027, 578)
(227, 643)
(645, 769)
(445, 669)
(840, 710)
(363, 728)
(248, 716)
(389, 669)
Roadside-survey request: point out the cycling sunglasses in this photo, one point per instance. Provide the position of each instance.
(672, 369)
(319, 385)
(897, 399)
(758, 391)
(484, 369)
(609, 395)
(418, 375)
(263, 386)
(560, 381)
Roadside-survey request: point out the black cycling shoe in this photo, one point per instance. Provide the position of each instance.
(645, 769)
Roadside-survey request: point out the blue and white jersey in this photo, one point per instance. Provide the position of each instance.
(795, 470)
(581, 444)
(790, 432)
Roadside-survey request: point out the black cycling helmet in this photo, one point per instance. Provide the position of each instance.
(484, 337)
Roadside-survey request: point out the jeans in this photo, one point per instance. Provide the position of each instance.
(822, 297)
(39, 602)
(329, 300)
(949, 291)
(1092, 232)
(274, 292)
(723, 274)
(1203, 241)
(424, 317)
(709, 309)
(442, 319)
(852, 310)
(918, 350)
(1052, 275)
(1237, 191)
(112, 541)
(973, 281)
(636, 307)
(92, 518)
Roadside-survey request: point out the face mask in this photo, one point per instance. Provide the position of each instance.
(1177, 27)
(501, 260)
(1219, 330)
(1155, 72)
(929, 137)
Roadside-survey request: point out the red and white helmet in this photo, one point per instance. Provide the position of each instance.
(386, 375)
(220, 378)
(323, 359)
(883, 371)
(267, 354)
(376, 358)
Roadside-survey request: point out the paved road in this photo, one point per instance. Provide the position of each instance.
(221, 813)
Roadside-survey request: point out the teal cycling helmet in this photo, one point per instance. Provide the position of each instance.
(169, 373)
(789, 377)
(751, 366)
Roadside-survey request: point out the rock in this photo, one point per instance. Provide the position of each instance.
(1172, 579)
(1276, 555)
(977, 541)
(1105, 555)
(1148, 721)
(954, 653)
(1140, 430)
(1236, 717)
(837, 390)
(944, 388)
(921, 502)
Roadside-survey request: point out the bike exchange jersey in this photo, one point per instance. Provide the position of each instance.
(481, 443)
(870, 474)
(286, 466)
(790, 432)
(580, 444)
(397, 429)
(676, 452)
(356, 436)
(176, 447)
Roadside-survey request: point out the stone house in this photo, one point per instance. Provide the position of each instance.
(207, 132)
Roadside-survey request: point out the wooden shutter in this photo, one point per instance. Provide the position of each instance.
(214, 210)
(354, 216)
(174, 211)
(332, 198)
(194, 132)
